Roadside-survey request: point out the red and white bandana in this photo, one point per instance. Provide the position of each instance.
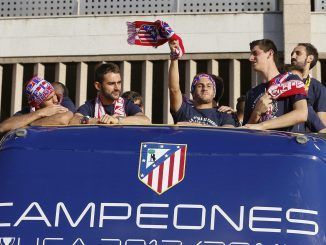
(37, 91)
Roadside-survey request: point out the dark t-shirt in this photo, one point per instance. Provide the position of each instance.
(88, 109)
(316, 103)
(24, 111)
(317, 96)
(279, 107)
(211, 117)
(67, 102)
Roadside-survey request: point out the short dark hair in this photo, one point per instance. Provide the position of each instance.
(240, 104)
(266, 45)
(311, 50)
(63, 87)
(133, 96)
(104, 69)
(219, 87)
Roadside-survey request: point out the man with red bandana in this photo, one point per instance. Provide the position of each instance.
(203, 111)
(44, 108)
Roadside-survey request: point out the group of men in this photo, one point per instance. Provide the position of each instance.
(48, 106)
(290, 101)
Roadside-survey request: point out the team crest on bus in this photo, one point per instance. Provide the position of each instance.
(162, 165)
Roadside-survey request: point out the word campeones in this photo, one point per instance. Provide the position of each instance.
(260, 219)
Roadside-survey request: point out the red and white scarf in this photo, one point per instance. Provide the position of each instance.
(145, 33)
(279, 88)
(119, 109)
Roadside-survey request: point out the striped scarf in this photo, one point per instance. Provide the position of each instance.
(280, 88)
(119, 109)
(145, 33)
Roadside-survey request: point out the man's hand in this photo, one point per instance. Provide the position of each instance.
(263, 104)
(175, 50)
(107, 119)
(226, 109)
(174, 44)
(51, 110)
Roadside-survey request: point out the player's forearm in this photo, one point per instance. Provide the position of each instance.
(254, 117)
(19, 121)
(174, 76)
(322, 116)
(57, 119)
(139, 119)
(289, 119)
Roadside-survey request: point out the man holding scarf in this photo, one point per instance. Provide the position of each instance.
(278, 103)
(44, 108)
(203, 111)
(109, 107)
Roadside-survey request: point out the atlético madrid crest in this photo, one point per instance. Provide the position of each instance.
(162, 165)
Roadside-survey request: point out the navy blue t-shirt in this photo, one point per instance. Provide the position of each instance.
(316, 103)
(88, 109)
(67, 102)
(24, 111)
(317, 95)
(279, 107)
(211, 117)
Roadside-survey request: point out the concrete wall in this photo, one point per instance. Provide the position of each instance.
(318, 32)
(71, 36)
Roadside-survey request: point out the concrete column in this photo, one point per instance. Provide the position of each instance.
(17, 88)
(212, 67)
(296, 25)
(125, 68)
(316, 71)
(1, 79)
(191, 71)
(60, 73)
(81, 84)
(167, 118)
(147, 87)
(39, 70)
(235, 86)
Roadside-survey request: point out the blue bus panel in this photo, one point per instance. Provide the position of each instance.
(168, 185)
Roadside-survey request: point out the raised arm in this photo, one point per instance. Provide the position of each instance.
(174, 86)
